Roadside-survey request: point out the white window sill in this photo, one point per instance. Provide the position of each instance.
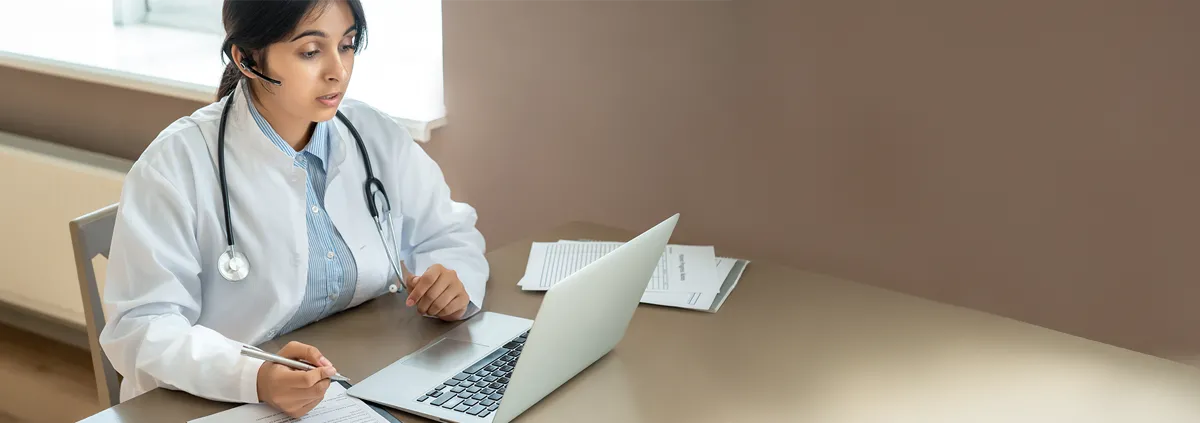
(186, 64)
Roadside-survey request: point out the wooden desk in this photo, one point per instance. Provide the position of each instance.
(787, 346)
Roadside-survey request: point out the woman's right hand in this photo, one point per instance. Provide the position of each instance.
(295, 392)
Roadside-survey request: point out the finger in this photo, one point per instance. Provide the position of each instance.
(422, 284)
(448, 296)
(304, 352)
(439, 288)
(318, 391)
(297, 379)
(456, 309)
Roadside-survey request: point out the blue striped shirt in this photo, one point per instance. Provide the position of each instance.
(332, 273)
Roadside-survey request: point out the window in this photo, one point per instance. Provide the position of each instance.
(172, 47)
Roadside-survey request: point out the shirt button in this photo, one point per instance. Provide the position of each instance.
(333, 296)
(329, 255)
(315, 210)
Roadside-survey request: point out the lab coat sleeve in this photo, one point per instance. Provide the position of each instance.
(153, 298)
(441, 230)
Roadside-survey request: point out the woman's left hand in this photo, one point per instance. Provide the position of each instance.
(438, 293)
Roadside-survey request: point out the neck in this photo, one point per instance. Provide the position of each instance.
(296, 132)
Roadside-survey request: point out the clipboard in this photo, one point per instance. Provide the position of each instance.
(386, 415)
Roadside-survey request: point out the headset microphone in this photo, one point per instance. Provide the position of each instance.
(247, 66)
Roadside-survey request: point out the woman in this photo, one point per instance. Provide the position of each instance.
(178, 311)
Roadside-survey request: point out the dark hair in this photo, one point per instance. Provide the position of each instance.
(252, 25)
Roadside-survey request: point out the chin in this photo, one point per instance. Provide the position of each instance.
(324, 115)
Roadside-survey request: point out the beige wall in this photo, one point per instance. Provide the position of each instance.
(1024, 158)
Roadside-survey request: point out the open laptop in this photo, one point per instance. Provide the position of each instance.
(472, 373)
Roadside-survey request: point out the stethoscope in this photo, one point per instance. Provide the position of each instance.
(233, 265)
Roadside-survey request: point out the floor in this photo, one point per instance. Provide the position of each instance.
(34, 369)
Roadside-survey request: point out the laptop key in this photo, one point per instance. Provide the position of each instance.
(479, 396)
(466, 384)
(474, 411)
(423, 398)
(504, 380)
(485, 412)
(491, 367)
(496, 396)
(461, 376)
(510, 345)
(465, 394)
(456, 389)
(494, 406)
(471, 402)
(474, 378)
(462, 407)
(488, 391)
(487, 401)
(474, 389)
(454, 402)
(442, 399)
(496, 385)
(490, 379)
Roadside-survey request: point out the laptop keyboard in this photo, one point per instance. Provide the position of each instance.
(477, 390)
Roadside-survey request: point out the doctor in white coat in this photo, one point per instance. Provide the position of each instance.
(299, 215)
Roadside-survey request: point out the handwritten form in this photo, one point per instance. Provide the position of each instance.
(337, 407)
(682, 268)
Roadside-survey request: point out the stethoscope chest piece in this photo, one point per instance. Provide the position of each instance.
(232, 265)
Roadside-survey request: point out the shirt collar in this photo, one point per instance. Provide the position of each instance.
(318, 146)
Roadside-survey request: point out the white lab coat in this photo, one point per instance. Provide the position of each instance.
(174, 322)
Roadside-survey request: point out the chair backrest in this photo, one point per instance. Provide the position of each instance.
(92, 235)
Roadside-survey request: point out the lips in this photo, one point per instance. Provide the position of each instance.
(330, 100)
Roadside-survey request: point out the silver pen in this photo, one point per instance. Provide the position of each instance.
(255, 352)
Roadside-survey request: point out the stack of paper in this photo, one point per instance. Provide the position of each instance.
(687, 276)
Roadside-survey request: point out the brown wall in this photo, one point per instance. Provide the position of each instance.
(1024, 158)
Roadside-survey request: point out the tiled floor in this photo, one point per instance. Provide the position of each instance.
(43, 381)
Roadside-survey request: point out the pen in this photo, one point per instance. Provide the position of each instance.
(255, 352)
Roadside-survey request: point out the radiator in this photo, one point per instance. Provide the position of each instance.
(43, 186)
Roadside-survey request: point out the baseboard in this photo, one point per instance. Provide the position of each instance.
(52, 328)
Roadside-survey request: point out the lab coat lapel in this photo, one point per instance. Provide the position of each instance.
(345, 201)
(267, 199)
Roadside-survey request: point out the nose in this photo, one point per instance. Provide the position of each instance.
(336, 72)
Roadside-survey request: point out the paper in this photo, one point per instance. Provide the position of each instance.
(337, 407)
(692, 300)
(729, 269)
(682, 268)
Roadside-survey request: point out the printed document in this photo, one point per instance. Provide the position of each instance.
(682, 268)
(337, 407)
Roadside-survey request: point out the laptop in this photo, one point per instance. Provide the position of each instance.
(492, 367)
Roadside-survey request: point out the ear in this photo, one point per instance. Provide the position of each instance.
(242, 60)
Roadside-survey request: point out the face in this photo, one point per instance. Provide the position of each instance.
(314, 64)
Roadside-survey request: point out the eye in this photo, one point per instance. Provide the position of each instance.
(348, 47)
(310, 54)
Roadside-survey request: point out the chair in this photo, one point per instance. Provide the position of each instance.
(92, 234)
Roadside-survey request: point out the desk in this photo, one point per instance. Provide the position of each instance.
(787, 346)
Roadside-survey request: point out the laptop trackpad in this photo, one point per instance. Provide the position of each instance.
(446, 355)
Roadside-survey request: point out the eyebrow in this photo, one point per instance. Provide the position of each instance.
(319, 33)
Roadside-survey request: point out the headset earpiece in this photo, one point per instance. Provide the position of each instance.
(248, 65)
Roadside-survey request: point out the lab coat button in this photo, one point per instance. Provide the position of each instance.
(329, 255)
(315, 210)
